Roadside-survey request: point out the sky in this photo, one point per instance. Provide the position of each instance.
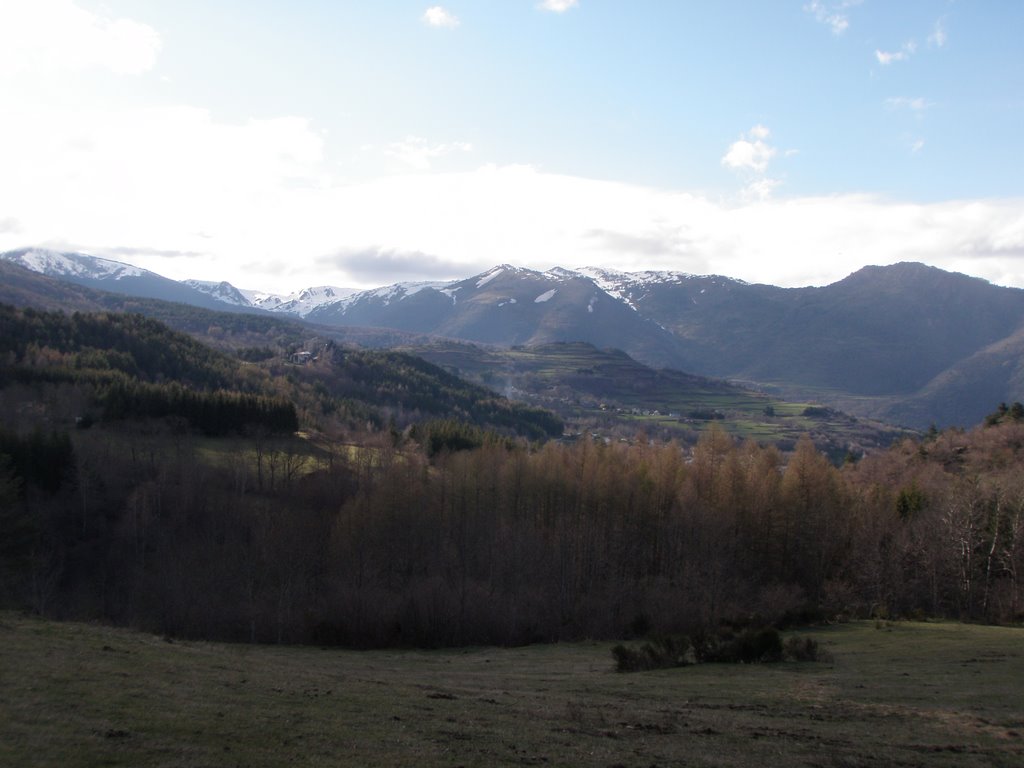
(279, 145)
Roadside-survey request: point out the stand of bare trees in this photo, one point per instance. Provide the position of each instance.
(266, 539)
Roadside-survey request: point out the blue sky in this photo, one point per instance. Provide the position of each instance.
(283, 144)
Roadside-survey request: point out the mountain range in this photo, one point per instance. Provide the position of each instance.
(906, 343)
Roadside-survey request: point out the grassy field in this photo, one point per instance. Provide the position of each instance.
(906, 695)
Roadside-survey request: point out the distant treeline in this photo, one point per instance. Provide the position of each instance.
(213, 413)
(132, 344)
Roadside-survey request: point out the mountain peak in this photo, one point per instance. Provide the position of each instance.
(494, 273)
(907, 274)
(561, 273)
(222, 291)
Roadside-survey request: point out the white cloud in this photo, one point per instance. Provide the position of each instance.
(760, 132)
(750, 156)
(917, 146)
(832, 15)
(938, 36)
(750, 152)
(885, 58)
(436, 16)
(416, 152)
(57, 35)
(558, 6)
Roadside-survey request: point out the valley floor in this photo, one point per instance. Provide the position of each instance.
(904, 694)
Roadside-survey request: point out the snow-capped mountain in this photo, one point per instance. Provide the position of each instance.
(633, 288)
(882, 332)
(119, 277)
(72, 265)
(299, 303)
(944, 345)
(508, 305)
(344, 304)
(109, 275)
(222, 291)
(630, 289)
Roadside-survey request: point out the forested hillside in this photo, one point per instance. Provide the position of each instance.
(126, 366)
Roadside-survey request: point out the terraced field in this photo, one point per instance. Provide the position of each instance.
(608, 392)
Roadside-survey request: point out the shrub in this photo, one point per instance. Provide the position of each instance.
(627, 659)
(754, 644)
(660, 653)
(804, 649)
(760, 645)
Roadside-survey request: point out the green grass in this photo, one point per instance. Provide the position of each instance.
(912, 694)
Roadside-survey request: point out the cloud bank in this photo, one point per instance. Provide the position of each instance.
(267, 209)
(57, 35)
(418, 153)
(374, 265)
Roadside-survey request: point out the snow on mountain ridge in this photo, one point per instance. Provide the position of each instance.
(81, 265)
(625, 287)
(300, 302)
(617, 279)
(488, 276)
(222, 291)
(560, 274)
(389, 293)
(611, 282)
